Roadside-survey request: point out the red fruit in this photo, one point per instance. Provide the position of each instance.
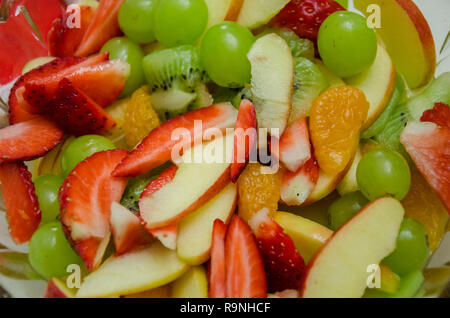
(429, 147)
(439, 114)
(85, 199)
(22, 207)
(28, 140)
(245, 273)
(167, 235)
(283, 263)
(297, 186)
(305, 17)
(104, 26)
(126, 229)
(295, 147)
(76, 113)
(217, 270)
(19, 45)
(245, 138)
(156, 148)
(64, 40)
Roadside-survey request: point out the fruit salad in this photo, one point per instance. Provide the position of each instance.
(221, 148)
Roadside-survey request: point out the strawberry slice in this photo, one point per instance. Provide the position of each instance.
(297, 186)
(429, 147)
(245, 273)
(22, 207)
(156, 148)
(217, 269)
(305, 17)
(439, 114)
(295, 147)
(245, 137)
(85, 199)
(63, 40)
(76, 113)
(283, 263)
(126, 229)
(28, 140)
(104, 26)
(19, 45)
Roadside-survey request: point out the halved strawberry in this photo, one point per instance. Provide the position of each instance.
(126, 229)
(439, 114)
(245, 138)
(295, 147)
(156, 148)
(64, 40)
(283, 263)
(101, 80)
(217, 269)
(305, 17)
(297, 186)
(245, 273)
(167, 235)
(22, 207)
(429, 147)
(85, 199)
(28, 140)
(76, 113)
(104, 26)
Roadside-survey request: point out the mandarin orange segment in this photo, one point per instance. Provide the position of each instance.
(423, 205)
(336, 118)
(257, 191)
(140, 117)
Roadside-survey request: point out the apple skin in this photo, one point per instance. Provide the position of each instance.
(384, 213)
(57, 289)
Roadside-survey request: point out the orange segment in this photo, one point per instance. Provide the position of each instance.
(257, 191)
(423, 205)
(336, 118)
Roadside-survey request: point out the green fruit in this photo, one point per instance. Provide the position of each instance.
(16, 265)
(344, 208)
(47, 189)
(412, 250)
(128, 51)
(82, 148)
(224, 52)
(383, 172)
(136, 19)
(409, 287)
(179, 22)
(133, 191)
(50, 253)
(346, 44)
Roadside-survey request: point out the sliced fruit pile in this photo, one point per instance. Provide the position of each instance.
(162, 139)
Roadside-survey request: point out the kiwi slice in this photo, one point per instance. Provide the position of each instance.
(309, 83)
(203, 97)
(172, 75)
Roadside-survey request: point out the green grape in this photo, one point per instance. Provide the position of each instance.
(411, 252)
(136, 20)
(409, 287)
(344, 208)
(81, 148)
(383, 172)
(50, 253)
(130, 52)
(47, 188)
(346, 44)
(224, 52)
(180, 22)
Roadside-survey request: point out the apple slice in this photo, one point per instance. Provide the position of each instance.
(408, 39)
(194, 184)
(349, 182)
(167, 235)
(308, 236)
(339, 269)
(127, 229)
(272, 79)
(195, 230)
(297, 187)
(140, 270)
(158, 292)
(193, 284)
(255, 13)
(223, 10)
(56, 288)
(295, 147)
(377, 83)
